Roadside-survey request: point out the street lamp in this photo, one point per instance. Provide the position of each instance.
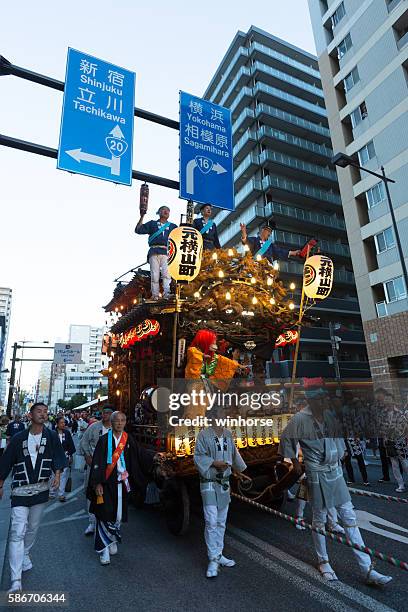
(342, 160)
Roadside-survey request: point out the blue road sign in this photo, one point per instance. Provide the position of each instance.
(96, 137)
(206, 162)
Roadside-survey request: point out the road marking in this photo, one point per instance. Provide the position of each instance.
(365, 521)
(346, 591)
(77, 516)
(70, 497)
(296, 581)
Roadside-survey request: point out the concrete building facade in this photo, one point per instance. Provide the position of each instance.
(5, 315)
(282, 169)
(362, 51)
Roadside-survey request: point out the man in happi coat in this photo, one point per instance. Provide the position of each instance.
(263, 245)
(119, 465)
(216, 458)
(32, 457)
(326, 485)
(207, 228)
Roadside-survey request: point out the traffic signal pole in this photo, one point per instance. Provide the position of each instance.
(12, 380)
(7, 68)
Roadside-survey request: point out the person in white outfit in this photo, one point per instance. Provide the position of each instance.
(69, 449)
(215, 456)
(31, 456)
(311, 428)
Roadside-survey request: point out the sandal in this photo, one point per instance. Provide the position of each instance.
(326, 571)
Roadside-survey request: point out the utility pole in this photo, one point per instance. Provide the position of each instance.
(335, 346)
(12, 380)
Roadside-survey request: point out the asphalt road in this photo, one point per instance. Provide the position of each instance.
(155, 570)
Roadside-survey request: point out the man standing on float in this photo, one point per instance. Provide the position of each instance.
(263, 245)
(207, 228)
(158, 232)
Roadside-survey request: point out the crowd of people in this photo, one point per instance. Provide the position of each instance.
(320, 440)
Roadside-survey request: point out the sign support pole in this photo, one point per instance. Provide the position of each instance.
(299, 330)
(175, 323)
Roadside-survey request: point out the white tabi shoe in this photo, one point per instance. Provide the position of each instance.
(90, 530)
(224, 562)
(400, 489)
(15, 587)
(326, 571)
(376, 579)
(104, 557)
(113, 548)
(27, 564)
(212, 569)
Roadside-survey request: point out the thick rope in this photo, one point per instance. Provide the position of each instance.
(333, 536)
(401, 500)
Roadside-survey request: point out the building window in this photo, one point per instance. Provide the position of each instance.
(366, 153)
(375, 195)
(344, 46)
(384, 240)
(395, 289)
(359, 114)
(351, 79)
(338, 15)
(381, 312)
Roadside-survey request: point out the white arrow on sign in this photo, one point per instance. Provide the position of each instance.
(113, 163)
(193, 164)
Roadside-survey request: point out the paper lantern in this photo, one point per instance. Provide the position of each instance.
(184, 252)
(318, 275)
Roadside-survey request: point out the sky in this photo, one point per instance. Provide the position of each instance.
(64, 238)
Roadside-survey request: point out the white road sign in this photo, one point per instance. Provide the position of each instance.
(67, 353)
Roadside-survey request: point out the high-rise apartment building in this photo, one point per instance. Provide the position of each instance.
(5, 314)
(282, 169)
(363, 59)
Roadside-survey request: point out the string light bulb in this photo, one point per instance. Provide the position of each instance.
(269, 282)
(272, 300)
(292, 286)
(228, 296)
(109, 369)
(122, 307)
(246, 248)
(215, 256)
(253, 280)
(291, 306)
(221, 274)
(276, 265)
(258, 257)
(230, 252)
(115, 376)
(117, 392)
(116, 309)
(197, 294)
(254, 300)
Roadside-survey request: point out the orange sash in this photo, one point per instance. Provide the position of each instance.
(117, 453)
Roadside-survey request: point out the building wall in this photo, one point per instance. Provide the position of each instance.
(282, 169)
(379, 50)
(5, 310)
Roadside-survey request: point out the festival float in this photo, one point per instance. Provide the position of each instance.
(238, 300)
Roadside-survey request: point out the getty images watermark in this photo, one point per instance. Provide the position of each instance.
(193, 403)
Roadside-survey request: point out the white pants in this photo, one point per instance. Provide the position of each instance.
(23, 531)
(396, 470)
(158, 262)
(215, 522)
(63, 482)
(349, 522)
(332, 518)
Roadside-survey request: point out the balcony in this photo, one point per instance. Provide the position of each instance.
(241, 101)
(297, 167)
(343, 277)
(243, 122)
(245, 169)
(241, 79)
(298, 240)
(244, 145)
(281, 98)
(310, 369)
(392, 4)
(256, 48)
(278, 78)
(291, 143)
(248, 193)
(240, 57)
(306, 216)
(294, 189)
